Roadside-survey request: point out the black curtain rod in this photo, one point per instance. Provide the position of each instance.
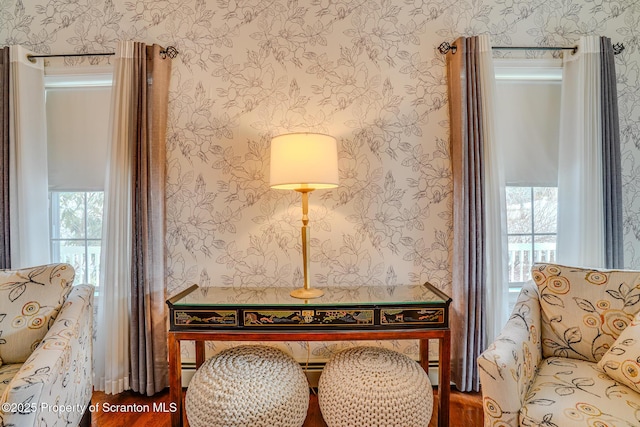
(170, 51)
(54, 55)
(446, 47)
(573, 49)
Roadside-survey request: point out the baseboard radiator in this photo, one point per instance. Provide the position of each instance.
(313, 371)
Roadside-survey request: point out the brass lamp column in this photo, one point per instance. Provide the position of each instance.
(304, 162)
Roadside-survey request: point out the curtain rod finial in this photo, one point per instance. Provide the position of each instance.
(618, 48)
(170, 51)
(446, 47)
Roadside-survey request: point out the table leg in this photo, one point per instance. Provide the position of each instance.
(444, 385)
(175, 379)
(424, 355)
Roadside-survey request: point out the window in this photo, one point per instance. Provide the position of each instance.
(76, 232)
(531, 232)
(528, 128)
(77, 106)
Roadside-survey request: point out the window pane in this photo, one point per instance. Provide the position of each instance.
(518, 210)
(70, 219)
(95, 202)
(76, 224)
(520, 257)
(531, 229)
(71, 252)
(545, 249)
(545, 213)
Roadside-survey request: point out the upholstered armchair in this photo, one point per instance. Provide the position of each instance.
(569, 354)
(46, 328)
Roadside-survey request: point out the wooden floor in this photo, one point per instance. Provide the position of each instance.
(466, 410)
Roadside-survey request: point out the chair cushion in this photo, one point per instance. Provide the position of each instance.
(569, 392)
(583, 311)
(622, 361)
(30, 299)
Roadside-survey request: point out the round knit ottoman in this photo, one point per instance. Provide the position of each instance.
(248, 385)
(370, 386)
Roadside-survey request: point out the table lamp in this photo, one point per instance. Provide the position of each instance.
(304, 162)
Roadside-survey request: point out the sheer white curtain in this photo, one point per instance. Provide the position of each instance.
(496, 289)
(580, 185)
(112, 354)
(28, 192)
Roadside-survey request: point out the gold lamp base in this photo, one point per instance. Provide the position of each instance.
(304, 293)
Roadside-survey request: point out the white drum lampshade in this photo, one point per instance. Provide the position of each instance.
(304, 160)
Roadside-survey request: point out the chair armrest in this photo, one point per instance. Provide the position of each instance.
(509, 365)
(54, 385)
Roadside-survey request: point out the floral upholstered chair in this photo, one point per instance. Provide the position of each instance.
(569, 354)
(46, 328)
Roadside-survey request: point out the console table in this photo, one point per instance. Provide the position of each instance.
(418, 312)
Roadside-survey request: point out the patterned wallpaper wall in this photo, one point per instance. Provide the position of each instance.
(365, 71)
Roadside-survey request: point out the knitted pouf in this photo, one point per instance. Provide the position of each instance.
(370, 386)
(248, 385)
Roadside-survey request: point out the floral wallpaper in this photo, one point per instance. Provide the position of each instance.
(365, 71)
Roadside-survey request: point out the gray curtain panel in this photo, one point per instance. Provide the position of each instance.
(467, 320)
(5, 234)
(149, 363)
(611, 168)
